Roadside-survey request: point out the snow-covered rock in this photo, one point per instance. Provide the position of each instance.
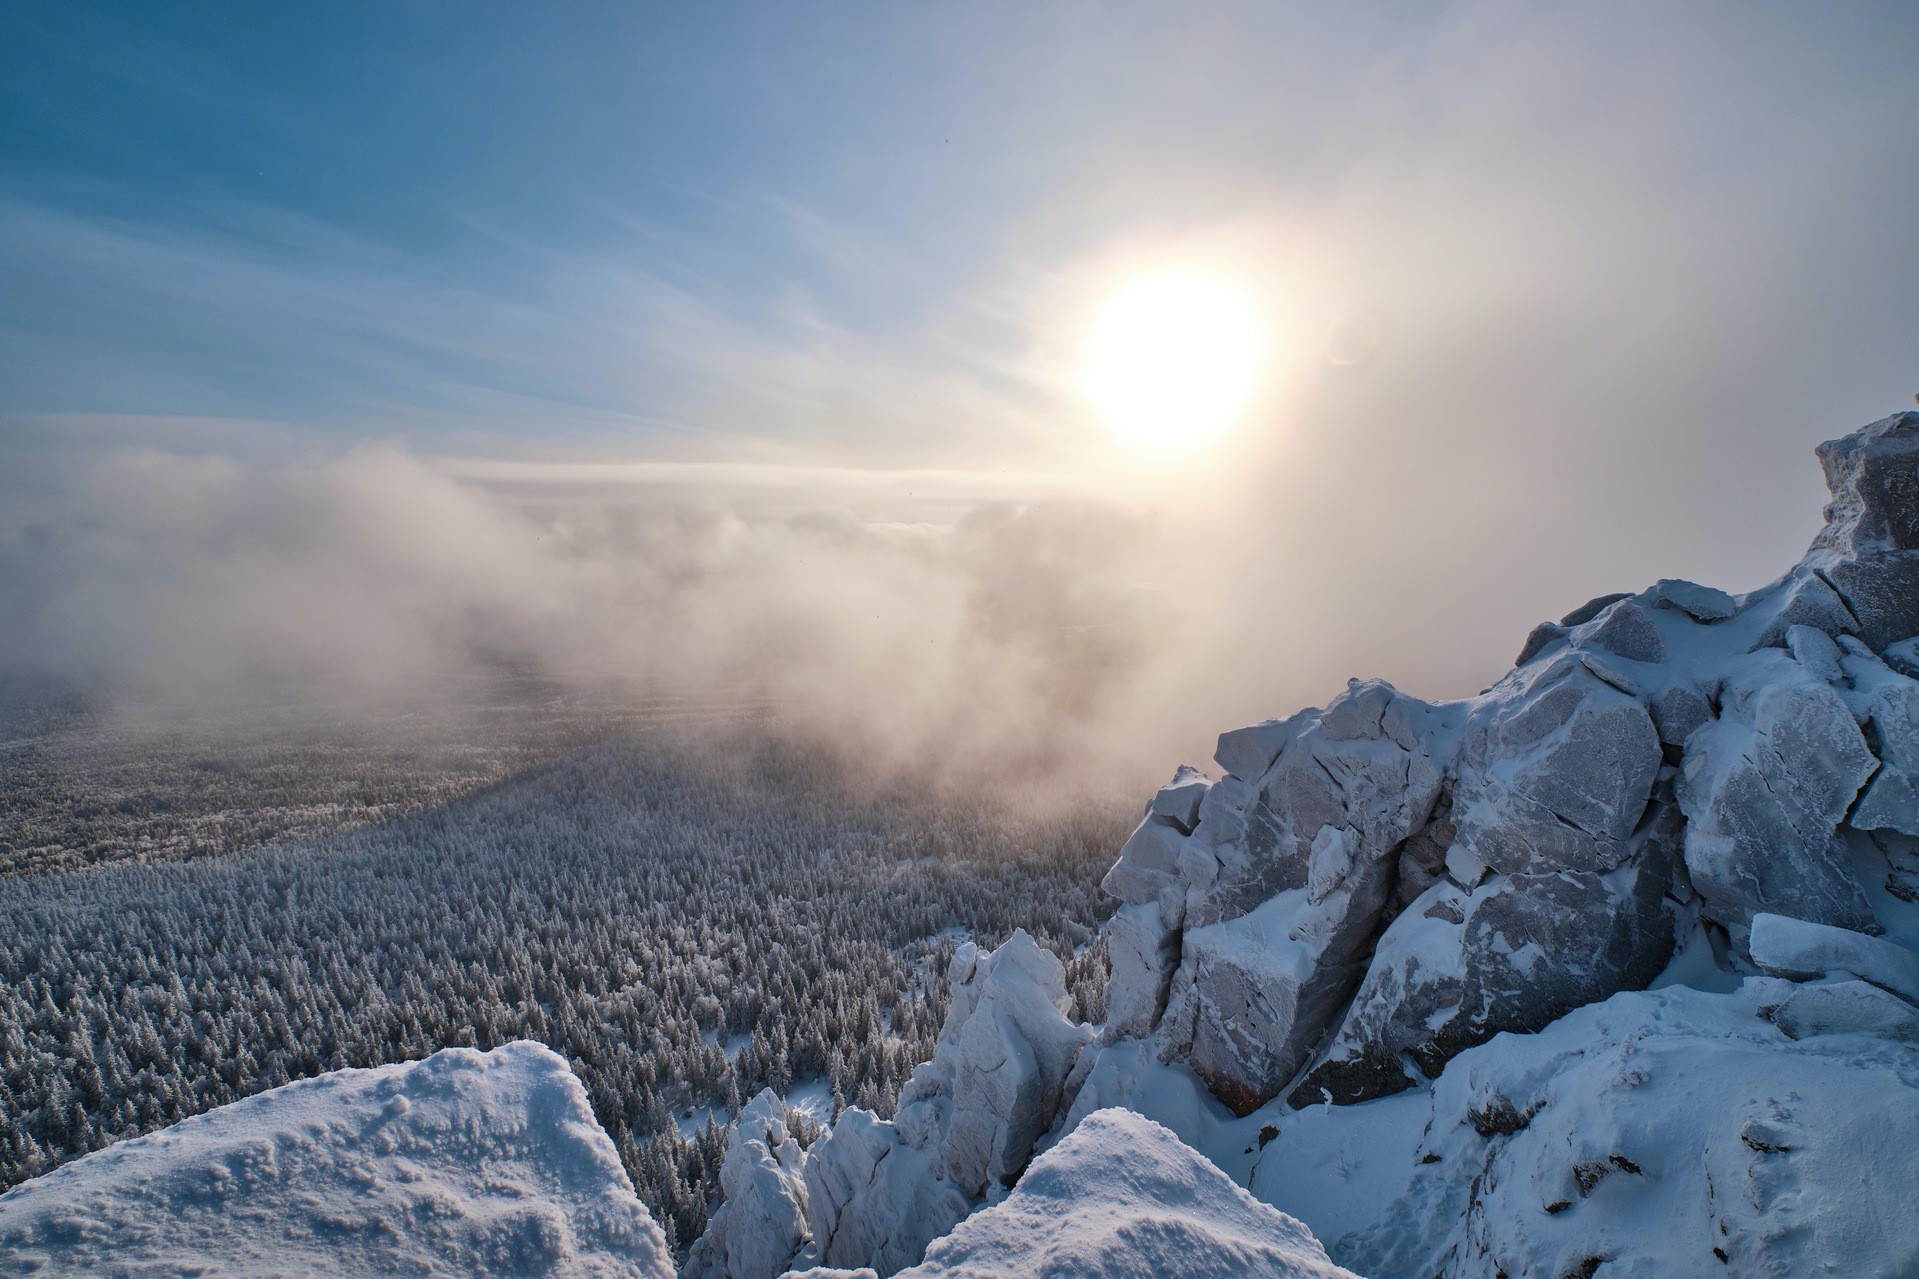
(1764, 790)
(1513, 954)
(1123, 1196)
(1375, 887)
(874, 1198)
(1866, 550)
(1000, 1064)
(1799, 949)
(763, 1222)
(466, 1163)
(1669, 1133)
(1285, 881)
(878, 1192)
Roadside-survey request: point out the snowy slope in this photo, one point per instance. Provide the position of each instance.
(1772, 1131)
(1123, 1197)
(465, 1164)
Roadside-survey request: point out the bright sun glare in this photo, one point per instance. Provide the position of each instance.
(1173, 358)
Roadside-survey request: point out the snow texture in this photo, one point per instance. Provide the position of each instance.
(1669, 1133)
(1122, 1196)
(466, 1163)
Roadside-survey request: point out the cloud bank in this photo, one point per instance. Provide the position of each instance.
(1004, 639)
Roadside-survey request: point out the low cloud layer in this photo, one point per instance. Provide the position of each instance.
(1005, 638)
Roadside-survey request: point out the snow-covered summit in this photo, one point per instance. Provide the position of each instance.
(467, 1163)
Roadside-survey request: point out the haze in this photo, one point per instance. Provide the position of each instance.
(639, 346)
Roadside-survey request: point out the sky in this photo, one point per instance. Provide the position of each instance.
(680, 341)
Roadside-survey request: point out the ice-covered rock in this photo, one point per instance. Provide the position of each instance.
(1123, 1196)
(1868, 551)
(1555, 774)
(1887, 704)
(466, 1163)
(878, 1192)
(763, 1221)
(1674, 1133)
(1000, 1063)
(1142, 954)
(1845, 1008)
(1702, 603)
(876, 1199)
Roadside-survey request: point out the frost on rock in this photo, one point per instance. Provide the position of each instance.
(1676, 1133)
(466, 1163)
(762, 1223)
(878, 1192)
(1121, 1195)
(1373, 888)
(1798, 949)
(1764, 790)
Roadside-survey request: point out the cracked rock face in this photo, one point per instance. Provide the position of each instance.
(1554, 776)
(1374, 887)
(1764, 789)
(1284, 883)
(1516, 953)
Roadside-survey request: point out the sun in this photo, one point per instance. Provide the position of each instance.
(1173, 358)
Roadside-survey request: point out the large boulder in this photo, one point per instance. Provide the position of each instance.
(1285, 882)
(1869, 548)
(1886, 702)
(1513, 954)
(1800, 949)
(1764, 789)
(1555, 774)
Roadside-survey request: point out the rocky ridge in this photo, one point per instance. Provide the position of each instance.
(1341, 937)
(1373, 887)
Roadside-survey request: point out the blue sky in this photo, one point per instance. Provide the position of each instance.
(1628, 263)
(628, 228)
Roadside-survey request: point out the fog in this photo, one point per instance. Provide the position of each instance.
(180, 591)
(1560, 301)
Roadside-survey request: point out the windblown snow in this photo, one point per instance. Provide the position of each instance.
(464, 1164)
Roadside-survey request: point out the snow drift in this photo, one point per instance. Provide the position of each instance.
(466, 1163)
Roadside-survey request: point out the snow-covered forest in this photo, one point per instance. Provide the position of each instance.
(684, 930)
